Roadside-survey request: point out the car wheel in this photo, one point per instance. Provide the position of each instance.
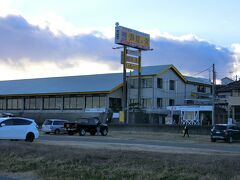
(93, 132)
(104, 132)
(30, 137)
(230, 139)
(213, 140)
(47, 132)
(57, 131)
(82, 132)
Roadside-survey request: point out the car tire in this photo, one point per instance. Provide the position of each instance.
(213, 140)
(57, 131)
(104, 132)
(47, 132)
(82, 132)
(230, 139)
(30, 137)
(92, 132)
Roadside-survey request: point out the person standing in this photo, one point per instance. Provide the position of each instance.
(185, 130)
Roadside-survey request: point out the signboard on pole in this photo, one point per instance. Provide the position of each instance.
(132, 66)
(130, 59)
(129, 37)
(133, 53)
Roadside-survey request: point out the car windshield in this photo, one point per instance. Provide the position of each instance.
(47, 122)
(220, 127)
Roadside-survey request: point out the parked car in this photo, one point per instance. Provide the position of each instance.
(6, 114)
(17, 128)
(225, 132)
(55, 126)
(92, 125)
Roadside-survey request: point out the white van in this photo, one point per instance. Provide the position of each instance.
(55, 126)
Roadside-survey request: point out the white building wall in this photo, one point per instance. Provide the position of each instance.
(178, 94)
(165, 93)
(190, 88)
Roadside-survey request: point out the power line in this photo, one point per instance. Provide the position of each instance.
(202, 71)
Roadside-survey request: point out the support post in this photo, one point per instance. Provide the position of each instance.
(139, 80)
(124, 84)
(213, 95)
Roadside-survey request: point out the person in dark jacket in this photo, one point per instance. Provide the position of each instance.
(185, 130)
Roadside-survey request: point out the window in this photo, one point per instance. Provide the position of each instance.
(58, 122)
(8, 122)
(115, 104)
(171, 102)
(89, 102)
(159, 83)
(21, 122)
(80, 102)
(32, 103)
(102, 102)
(147, 83)
(95, 102)
(74, 102)
(14, 103)
(171, 85)
(133, 83)
(201, 88)
(2, 103)
(52, 102)
(47, 122)
(147, 103)
(159, 102)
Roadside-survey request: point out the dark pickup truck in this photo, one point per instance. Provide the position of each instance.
(91, 125)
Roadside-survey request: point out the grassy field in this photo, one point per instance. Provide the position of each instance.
(38, 161)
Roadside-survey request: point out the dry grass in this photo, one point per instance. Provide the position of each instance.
(58, 162)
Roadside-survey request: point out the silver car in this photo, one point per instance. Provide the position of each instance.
(55, 126)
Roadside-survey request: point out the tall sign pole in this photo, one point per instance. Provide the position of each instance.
(213, 94)
(139, 80)
(124, 84)
(131, 59)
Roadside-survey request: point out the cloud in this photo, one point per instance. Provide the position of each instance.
(190, 54)
(236, 63)
(19, 39)
(25, 45)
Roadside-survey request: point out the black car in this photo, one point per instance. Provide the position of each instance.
(91, 125)
(226, 132)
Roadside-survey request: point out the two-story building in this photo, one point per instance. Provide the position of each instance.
(228, 98)
(164, 86)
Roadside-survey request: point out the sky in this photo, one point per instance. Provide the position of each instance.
(75, 37)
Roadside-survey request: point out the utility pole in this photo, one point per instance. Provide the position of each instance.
(213, 94)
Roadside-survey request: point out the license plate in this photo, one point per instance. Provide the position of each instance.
(218, 132)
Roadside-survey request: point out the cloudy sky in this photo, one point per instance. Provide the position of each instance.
(74, 37)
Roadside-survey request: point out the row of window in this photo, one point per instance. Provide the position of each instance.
(147, 102)
(148, 83)
(145, 83)
(57, 102)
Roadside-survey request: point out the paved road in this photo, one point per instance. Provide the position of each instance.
(137, 142)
